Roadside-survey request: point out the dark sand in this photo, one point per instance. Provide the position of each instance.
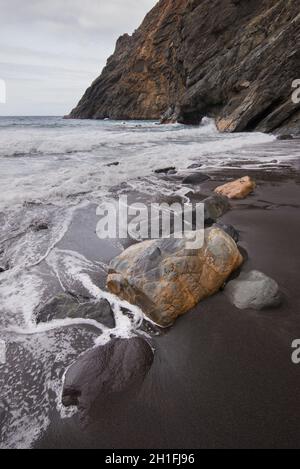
(222, 378)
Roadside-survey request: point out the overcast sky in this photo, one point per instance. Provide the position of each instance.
(51, 50)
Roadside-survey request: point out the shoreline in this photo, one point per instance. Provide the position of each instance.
(234, 365)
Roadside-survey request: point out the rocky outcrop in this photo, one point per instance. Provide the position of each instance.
(238, 189)
(167, 280)
(253, 290)
(234, 60)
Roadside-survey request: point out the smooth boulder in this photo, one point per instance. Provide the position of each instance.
(238, 189)
(67, 306)
(253, 290)
(167, 280)
(107, 372)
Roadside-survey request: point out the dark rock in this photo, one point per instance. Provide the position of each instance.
(68, 306)
(39, 226)
(195, 166)
(196, 178)
(116, 163)
(110, 371)
(230, 230)
(179, 64)
(253, 290)
(285, 137)
(215, 207)
(165, 170)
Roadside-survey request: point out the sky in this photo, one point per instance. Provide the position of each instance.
(52, 50)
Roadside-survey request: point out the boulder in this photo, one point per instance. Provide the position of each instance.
(195, 178)
(167, 280)
(253, 290)
(238, 189)
(67, 306)
(215, 207)
(107, 372)
(229, 229)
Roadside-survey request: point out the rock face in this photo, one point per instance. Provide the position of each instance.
(239, 189)
(107, 372)
(234, 60)
(166, 280)
(253, 290)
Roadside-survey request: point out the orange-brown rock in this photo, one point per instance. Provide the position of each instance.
(238, 189)
(234, 60)
(166, 280)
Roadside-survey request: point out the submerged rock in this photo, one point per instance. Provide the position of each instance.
(67, 306)
(285, 137)
(253, 290)
(167, 280)
(238, 189)
(108, 371)
(165, 170)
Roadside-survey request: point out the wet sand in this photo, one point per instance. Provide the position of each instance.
(222, 378)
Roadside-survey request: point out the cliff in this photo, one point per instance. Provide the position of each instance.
(234, 60)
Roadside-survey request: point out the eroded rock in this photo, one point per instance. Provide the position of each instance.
(167, 280)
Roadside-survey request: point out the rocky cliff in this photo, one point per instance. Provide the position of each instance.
(234, 60)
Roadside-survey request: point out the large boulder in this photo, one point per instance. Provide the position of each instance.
(166, 279)
(253, 290)
(65, 306)
(107, 372)
(238, 189)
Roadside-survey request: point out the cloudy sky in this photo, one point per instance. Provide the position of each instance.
(51, 50)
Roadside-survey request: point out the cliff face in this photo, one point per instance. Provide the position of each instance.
(234, 60)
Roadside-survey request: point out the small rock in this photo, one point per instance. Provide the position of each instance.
(253, 290)
(66, 306)
(165, 170)
(285, 137)
(195, 178)
(238, 189)
(39, 226)
(108, 371)
(116, 163)
(195, 166)
(229, 229)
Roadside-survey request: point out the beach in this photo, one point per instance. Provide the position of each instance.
(221, 377)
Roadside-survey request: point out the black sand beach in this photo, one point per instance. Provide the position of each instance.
(222, 377)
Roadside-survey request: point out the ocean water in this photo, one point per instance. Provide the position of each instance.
(56, 171)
